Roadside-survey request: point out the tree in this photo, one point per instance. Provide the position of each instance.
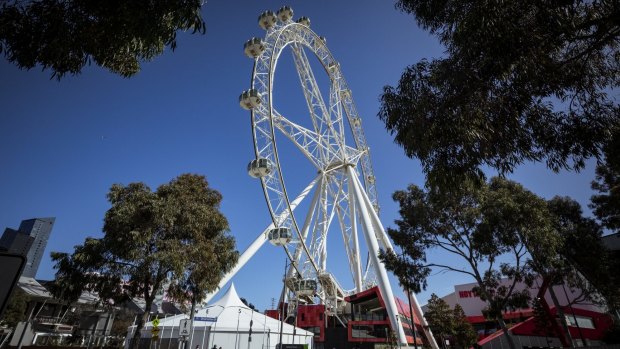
(521, 80)
(440, 318)
(478, 223)
(464, 335)
(152, 239)
(542, 320)
(248, 304)
(586, 264)
(65, 35)
(606, 204)
(449, 323)
(15, 309)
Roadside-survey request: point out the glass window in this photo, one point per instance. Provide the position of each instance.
(582, 321)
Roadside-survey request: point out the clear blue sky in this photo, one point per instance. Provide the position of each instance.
(63, 144)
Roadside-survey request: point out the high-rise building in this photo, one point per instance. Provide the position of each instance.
(30, 241)
(40, 229)
(13, 241)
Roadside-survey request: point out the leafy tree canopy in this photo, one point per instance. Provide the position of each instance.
(65, 35)
(586, 264)
(447, 323)
(15, 310)
(465, 335)
(606, 204)
(521, 80)
(478, 223)
(439, 317)
(174, 236)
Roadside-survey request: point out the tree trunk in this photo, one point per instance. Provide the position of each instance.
(509, 338)
(192, 312)
(135, 340)
(561, 316)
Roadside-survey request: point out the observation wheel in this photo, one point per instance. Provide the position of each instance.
(343, 193)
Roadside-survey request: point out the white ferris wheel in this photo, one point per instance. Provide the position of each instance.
(342, 192)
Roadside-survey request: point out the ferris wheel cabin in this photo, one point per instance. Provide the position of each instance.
(285, 13)
(305, 287)
(249, 99)
(304, 21)
(253, 47)
(280, 236)
(260, 167)
(267, 19)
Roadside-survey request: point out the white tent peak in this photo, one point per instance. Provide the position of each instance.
(229, 299)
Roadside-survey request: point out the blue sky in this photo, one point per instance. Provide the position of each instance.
(63, 144)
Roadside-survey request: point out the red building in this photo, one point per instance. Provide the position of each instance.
(586, 322)
(364, 324)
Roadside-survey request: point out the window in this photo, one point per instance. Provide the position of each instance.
(582, 321)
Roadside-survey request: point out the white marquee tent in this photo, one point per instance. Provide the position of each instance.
(229, 324)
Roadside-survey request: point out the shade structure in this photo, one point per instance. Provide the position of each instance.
(226, 323)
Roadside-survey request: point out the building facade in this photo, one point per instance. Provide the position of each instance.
(40, 229)
(16, 242)
(586, 321)
(30, 240)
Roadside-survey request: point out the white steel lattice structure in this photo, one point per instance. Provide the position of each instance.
(343, 192)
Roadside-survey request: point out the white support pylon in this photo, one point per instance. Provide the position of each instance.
(416, 306)
(373, 246)
(257, 244)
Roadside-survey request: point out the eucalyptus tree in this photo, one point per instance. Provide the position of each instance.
(479, 223)
(606, 203)
(152, 239)
(520, 80)
(65, 35)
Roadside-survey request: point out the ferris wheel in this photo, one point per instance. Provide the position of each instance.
(342, 194)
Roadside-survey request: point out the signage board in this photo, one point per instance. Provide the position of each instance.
(12, 266)
(185, 327)
(205, 318)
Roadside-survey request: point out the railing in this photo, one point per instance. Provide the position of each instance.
(370, 317)
(48, 319)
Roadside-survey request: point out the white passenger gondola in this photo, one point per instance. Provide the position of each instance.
(284, 14)
(304, 21)
(260, 167)
(305, 287)
(267, 20)
(279, 236)
(249, 99)
(253, 47)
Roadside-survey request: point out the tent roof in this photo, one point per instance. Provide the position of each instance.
(230, 299)
(228, 313)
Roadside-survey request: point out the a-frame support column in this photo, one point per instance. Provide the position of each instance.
(373, 247)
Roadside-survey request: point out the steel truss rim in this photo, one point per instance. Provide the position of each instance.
(349, 114)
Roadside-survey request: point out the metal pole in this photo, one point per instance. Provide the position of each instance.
(237, 332)
(282, 302)
(21, 337)
(583, 340)
(413, 329)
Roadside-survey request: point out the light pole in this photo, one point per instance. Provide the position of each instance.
(413, 329)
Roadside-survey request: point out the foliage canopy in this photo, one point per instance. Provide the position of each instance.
(606, 204)
(175, 237)
(65, 35)
(521, 80)
(478, 223)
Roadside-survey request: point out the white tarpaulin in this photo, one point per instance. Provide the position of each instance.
(230, 324)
